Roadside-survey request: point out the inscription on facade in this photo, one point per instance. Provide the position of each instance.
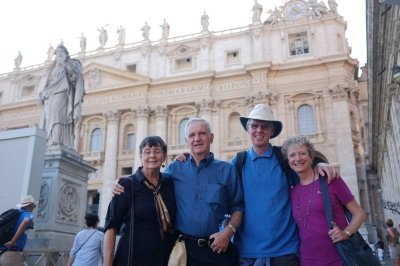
(200, 88)
(113, 98)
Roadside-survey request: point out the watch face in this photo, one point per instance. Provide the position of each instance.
(295, 10)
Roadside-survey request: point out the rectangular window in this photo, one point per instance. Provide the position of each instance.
(232, 58)
(131, 68)
(27, 91)
(298, 44)
(183, 63)
(130, 141)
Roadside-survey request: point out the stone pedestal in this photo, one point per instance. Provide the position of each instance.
(62, 202)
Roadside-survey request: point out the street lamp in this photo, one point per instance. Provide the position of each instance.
(396, 74)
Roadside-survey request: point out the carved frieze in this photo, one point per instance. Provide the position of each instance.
(43, 207)
(69, 204)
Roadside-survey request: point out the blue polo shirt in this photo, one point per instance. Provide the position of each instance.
(204, 194)
(268, 228)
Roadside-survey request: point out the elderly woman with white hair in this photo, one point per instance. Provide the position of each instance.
(308, 207)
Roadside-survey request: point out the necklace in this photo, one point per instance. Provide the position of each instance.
(303, 220)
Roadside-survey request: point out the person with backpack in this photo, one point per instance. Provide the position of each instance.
(393, 239)
(268, 235)
(11, 251)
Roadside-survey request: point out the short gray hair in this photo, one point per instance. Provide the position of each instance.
(298, 140)
(197, 120)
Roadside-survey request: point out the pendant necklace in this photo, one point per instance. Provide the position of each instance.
(303, 220)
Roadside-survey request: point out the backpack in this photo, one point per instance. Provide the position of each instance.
(8, 220)
(292, 178)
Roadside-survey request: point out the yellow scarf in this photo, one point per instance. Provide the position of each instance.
(161, 208)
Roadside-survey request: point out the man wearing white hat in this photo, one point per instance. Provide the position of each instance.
(268, 235)
(11, 251)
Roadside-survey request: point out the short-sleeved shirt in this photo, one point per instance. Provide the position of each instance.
(268, 228)
(149, 248)
(88, 248)
(309, 213)
(21, 242)
(204, 194)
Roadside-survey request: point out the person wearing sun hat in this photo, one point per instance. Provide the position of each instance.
(11, 251)
(268, 235)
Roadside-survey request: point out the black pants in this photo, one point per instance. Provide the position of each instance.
(201, 256)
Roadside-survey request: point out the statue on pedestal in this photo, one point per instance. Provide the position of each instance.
(18, 60)
(257, 10)
(50, 52)
(62, 98)
(121, 35)
(204, 21)
(165, 30)
(146, 31)
(103, 37)
(82, 43)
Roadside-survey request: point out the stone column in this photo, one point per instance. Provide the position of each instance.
(142, 131)
(161, 122)
(344, 144)
(257, 45)
(110, 162)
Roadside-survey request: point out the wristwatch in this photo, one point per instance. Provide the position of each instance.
(232, 228)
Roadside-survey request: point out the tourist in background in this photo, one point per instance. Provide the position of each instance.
(393, 240)
(11, 252)
(87, 249)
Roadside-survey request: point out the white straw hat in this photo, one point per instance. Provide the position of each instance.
(25, 201)
(264, 113)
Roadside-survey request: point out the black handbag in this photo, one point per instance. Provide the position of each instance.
(354, 250)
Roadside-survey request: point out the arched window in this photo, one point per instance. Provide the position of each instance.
(96, 138)
(182, 126)
(305, 119)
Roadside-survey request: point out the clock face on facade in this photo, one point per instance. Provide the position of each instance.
(295, 10)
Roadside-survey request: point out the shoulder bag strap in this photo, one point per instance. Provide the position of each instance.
(132, 223)
(327, 201)
(76, 252)
(240, 159)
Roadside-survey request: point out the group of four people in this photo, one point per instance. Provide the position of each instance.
(193, 195)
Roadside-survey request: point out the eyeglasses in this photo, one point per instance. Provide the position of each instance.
(254, 126)
(152, 152)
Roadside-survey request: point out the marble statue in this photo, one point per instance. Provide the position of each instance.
(62, 98)
(103, 37)
(83, 43)
(50, 52)
(121, 35)
(18, 60)
(165, 30)
(146, 31)
(204, 21)
(274, 17)
(332, 6)
(257, 11)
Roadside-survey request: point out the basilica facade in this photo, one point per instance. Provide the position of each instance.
(297, 61)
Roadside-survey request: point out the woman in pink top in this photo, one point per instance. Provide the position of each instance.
(317, 242)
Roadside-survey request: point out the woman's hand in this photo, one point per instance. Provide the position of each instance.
(336, 234)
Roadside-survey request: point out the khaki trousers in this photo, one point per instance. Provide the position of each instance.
(12, 258)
